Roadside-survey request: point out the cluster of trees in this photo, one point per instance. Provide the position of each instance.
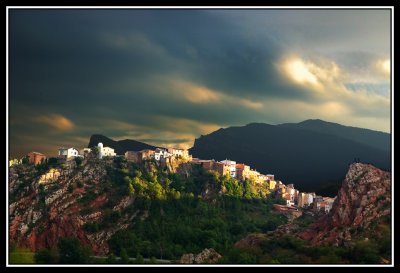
(68, 251)
(148, 181)
(186, 214)
(169, 228)
(291, 250)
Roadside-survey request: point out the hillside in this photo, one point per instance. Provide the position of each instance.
(111, 204)
(118, 208)
(356, 231)
(363, 201)
(375, 139)
(120, 146)
(310, 158)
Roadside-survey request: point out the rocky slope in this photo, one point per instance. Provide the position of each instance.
(207, 256)
(364, 198)
(41, 212)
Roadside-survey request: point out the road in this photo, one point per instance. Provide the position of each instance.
(158, 261)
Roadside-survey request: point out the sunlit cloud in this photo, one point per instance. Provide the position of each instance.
(55, 121)
(300, 72)
(383, 66)
(196, 93)
(313, 75)
(166, 131)
(251, 104)
(199, 94)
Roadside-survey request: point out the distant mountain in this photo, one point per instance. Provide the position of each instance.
(368, 137)
(312, 154)
(120, 146)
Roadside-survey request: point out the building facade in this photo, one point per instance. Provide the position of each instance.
(160, 154)
(178, 152)
(231, 165)
(36, 158)
(105, 151)
(67, 153)
(242, 171)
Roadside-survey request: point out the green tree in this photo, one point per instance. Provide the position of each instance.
(25, 160)
(111, 259)
(47, 256)
(71, 251)
(78, 161)
(139, 259)
(365, 252)
(130, 189)
(95, 151)
(124, 256)
(79, 184)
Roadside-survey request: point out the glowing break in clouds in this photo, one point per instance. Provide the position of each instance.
(55, 121)
(195, 93)
(384, 67)
(309, 74)
(198, 94)
(300, 72)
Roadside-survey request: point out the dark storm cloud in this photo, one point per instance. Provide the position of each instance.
(171, 75)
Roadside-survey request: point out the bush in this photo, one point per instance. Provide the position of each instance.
(91, 227)
(124, 256)
(365, 252)
(139, 259)
(71, 251)
(22, 256)
(47, 256)
(111, 259)
(78, 161)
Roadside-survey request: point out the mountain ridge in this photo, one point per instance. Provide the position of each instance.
(295, 153)
(120, 146)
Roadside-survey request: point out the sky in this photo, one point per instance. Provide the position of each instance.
(165, 77)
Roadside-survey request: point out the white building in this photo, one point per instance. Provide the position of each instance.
(161, 154)
(328, 203)
(232, 166)
(67, 152)
(105, 151)
(178, 152)
(305, 199)
(289, 203)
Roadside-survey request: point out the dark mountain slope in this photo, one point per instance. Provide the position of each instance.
(306, 158)
(378, 140)
(120, 146)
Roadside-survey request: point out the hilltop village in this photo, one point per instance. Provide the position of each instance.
(240, 171)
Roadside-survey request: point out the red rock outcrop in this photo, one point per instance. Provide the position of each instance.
(365, 196)
(40, 214)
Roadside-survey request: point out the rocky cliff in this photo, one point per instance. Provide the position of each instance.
(364, 198)
(41, 211)
(89, 201)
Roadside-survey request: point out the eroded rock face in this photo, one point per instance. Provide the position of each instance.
(207, 256)
(364, 197)
(40, 213)
(250, 240)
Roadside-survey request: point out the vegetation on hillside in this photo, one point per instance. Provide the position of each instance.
(173, 214)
